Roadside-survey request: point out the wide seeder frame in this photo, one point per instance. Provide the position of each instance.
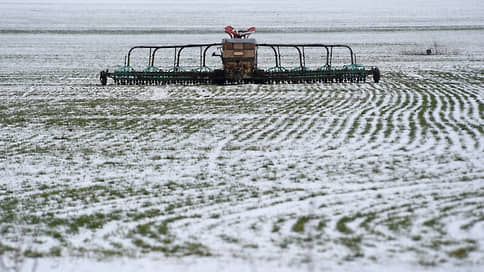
(239, 56)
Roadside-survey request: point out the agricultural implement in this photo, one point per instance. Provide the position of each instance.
(239, 56)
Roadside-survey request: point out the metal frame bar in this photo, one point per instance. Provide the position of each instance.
(277, 54)
(302, 56)
(178, 49)
(206, 49)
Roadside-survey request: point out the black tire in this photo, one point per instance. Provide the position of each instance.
(376, 75)
(218, 77)
(103, 77)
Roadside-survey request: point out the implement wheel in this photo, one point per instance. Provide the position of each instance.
(103, 77)
(376, 74)
(218, 77)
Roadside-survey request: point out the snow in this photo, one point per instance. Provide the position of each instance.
(385, 176)
(154, 263)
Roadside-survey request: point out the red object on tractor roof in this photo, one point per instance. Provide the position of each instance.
(230, 30)
(240, 33)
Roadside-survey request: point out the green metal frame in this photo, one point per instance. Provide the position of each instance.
(206, 75)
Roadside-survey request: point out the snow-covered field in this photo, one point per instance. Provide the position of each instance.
(343, 177)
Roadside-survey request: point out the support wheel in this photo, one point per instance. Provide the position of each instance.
(103, 77)
(376, 74)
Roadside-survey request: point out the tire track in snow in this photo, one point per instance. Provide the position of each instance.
(331, 147)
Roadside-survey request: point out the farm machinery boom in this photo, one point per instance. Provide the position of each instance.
(239, 55)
